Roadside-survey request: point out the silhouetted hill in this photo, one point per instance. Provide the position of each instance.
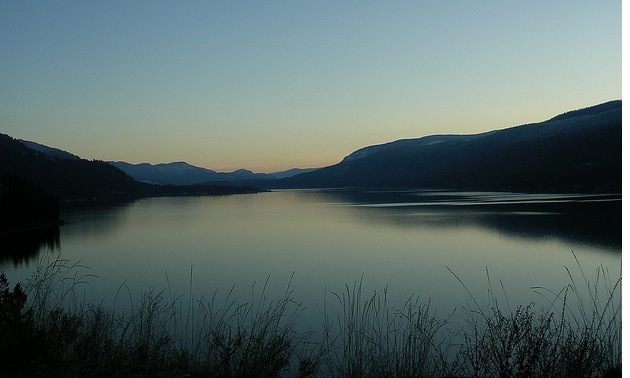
(290, 172)
(49, 151)
(182, 173)
(579, 151)
(73, 179)
(65, 178)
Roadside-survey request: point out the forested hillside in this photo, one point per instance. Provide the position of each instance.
(579, 151)
(80, 179)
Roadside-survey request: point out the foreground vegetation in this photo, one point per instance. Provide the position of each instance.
(46, 329)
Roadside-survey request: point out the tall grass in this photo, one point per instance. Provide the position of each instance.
(371, 338)
(577, 334)
(54, 332)
(46, 328)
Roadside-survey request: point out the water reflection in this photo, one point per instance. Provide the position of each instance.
(326, 240)
(95, 219)
(593, 220)
(576, 219)
(24, 247)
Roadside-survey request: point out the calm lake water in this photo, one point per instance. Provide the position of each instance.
(320, 241)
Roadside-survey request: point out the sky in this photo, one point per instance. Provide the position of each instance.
(272, 85)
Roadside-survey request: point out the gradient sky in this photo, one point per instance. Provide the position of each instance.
(274, 85)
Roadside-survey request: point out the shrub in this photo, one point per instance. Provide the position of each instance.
(45, 329)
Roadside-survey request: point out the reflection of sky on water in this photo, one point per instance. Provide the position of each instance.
(327, 240)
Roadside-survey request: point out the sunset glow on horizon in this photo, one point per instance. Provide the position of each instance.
(271, 86)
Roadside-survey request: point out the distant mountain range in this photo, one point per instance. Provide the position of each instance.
(69, 177)
(181, 173)
(578, 151)
(176, 173)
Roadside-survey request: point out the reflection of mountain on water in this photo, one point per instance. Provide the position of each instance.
(582, 223)
(97, 219)
(582, 219)
(24, 246)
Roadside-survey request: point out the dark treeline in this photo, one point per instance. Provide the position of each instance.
(65, 178)
(81, 180)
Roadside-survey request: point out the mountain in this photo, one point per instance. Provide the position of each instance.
(578, 151)
(171, 173)
(49, 151)
(78, 179)
(182, 173)
(65, 178)
(291, 172)
(176, 173)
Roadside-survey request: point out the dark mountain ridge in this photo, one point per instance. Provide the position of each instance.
(182, 173)
(67, 178)
(578, 151)
(71, 179)
(50, 151)
(175, 173)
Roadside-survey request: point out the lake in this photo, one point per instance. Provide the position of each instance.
(409, 243)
